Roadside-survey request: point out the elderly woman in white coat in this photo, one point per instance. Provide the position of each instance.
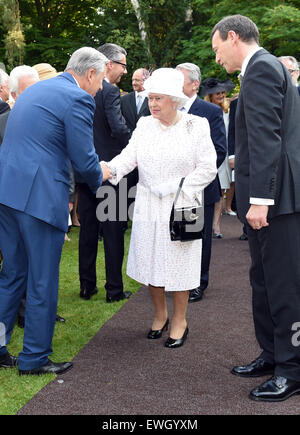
(166, 146)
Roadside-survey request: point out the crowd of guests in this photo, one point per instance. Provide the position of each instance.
(172, 126)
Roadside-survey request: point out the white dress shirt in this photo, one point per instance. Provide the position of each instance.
(189, 104)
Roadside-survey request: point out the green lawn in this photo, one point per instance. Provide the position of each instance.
(83, 320)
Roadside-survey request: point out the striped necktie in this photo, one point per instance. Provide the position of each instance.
(138, 103)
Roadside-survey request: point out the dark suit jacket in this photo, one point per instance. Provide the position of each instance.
(231, 127)
(4, 107)
(3, 121)
(214, 115)
(111, 133)
(128, 107)
(267, 157)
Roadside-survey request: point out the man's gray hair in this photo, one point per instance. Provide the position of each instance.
(3, 77)
(113, 52)
(180, 101)
(194, 71)
(19, 72)
(86, 58)
(291, 59)
(241, 25)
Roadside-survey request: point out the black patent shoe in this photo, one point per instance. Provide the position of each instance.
(154, 334)
(60, 319)
(87, 294)
(51, 367)
(124, 295)
(196, 295)
(177, 342)
(276, 389)
(258, 367)
(8, 361)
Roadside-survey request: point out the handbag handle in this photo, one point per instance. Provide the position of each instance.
(178, 192)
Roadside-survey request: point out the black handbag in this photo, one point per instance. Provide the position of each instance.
(186, 223)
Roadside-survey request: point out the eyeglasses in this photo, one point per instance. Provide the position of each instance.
(120, 63)
(292, 70)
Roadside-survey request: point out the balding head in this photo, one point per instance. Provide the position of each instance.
(138, 78)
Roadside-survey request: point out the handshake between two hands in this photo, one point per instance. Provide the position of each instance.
(159, 190)
(106, 171)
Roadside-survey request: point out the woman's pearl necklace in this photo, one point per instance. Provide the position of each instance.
(175, 120)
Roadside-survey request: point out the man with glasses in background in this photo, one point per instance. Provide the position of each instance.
(293, 68)
(111, 135)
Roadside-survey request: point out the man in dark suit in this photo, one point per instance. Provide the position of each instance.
(212, 193)
(4, 90)
(111, 135)
(134, 105)
(290, 62)
(231, 152)
(267, 174)
(4, 107)
(22, 77)
(35, 162)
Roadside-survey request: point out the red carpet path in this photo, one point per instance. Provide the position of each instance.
(121, 372)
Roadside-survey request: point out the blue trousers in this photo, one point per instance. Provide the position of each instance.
(31, 252)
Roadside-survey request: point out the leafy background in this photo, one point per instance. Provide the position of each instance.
(35, 31)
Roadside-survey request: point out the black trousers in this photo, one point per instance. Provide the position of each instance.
(275, 280)
(206, 245)
(111, 230)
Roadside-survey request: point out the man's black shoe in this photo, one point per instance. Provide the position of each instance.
(60, 319)
(243, 237)
(196, 295)
(87, 294)
(258, 367)
(276, 389)
(7, 361)
(124, 295)
(21, 321)
(50, 367)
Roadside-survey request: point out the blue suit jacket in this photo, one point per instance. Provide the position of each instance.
(50, 124)
(214, 115)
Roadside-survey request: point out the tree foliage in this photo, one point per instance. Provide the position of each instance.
(13, 37)
(176, 31)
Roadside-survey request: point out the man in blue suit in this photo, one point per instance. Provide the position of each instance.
(50, 125)
(212, 193)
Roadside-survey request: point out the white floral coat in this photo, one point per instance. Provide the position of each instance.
(163, 156)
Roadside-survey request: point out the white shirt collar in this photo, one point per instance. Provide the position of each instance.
(76, 82)
(189, 103)
(247, 59)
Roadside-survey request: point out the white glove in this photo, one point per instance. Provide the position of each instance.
(165, 189)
